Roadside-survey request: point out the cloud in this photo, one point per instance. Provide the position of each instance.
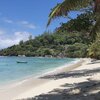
(24, 22)
(6, 41)
(2, 32)
(22, 36)
(27, 24)
(8, 21)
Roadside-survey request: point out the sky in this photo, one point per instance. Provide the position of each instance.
(21, 18)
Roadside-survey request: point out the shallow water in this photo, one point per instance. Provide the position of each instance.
(10, 70)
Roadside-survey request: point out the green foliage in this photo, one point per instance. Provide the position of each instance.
(94, 49)
(71, 39)
(49, 44)
(83, 22)
(76, 50)
(62, 9)
(66, 6)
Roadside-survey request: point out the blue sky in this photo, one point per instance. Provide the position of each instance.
(21, 18)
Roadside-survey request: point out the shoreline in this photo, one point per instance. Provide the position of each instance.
(58, 69)
(23, 86)
(51, 71)
(39, 74)
(67, 67)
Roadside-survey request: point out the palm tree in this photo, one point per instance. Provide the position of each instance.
(62, 9)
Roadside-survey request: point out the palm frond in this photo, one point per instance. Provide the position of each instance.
(63, 8)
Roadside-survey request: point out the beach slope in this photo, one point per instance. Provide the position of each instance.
(79, 81)
(82, 83)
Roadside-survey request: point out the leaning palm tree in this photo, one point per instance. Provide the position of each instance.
(62, 9)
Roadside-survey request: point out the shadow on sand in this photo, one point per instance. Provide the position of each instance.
(76, 74)
(88, 90)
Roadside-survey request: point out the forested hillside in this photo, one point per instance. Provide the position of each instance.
(71, 39)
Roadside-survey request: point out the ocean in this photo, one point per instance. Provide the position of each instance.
(11, 71)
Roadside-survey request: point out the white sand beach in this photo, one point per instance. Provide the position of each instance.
(79, 79)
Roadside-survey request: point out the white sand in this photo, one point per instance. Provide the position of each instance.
(34, 87)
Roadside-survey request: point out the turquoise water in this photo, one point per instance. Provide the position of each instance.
(10, 70)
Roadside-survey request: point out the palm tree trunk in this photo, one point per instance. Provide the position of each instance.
(97, 6)
(95, 32)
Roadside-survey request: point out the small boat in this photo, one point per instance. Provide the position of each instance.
(21, 61)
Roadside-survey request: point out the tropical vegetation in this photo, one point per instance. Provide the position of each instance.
(63, 9)
(79, 37)
(66, 41)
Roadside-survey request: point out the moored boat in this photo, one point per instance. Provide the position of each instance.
(21, 61)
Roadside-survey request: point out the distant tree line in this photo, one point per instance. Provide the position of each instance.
(71, 39)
